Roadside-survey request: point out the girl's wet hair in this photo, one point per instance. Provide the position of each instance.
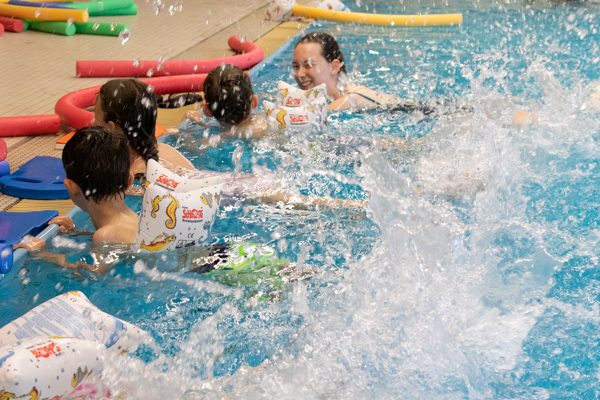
(131, 105)
(97, 160)
(330, 50)
(228, 94)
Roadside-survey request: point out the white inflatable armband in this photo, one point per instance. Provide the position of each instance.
(280, 10)
(299, 118)
(51, 349)
(334, 5)
(291, 96)
(177, 211)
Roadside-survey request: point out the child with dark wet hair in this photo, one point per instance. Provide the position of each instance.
(229, 98)
(96, 162)
(129, 106)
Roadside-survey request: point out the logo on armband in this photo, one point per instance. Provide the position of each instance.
(192, 215)
(169, 183)
(46, 351)
(298, 119)
(292, 102)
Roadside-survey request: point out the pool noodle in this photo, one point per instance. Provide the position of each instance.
(70, 107)
(29, 125)
(1, 29)
(100, 28)
(133, 10)
(34, 4)
(54, 27)
(12, 24)
(98, 6)
(251, 55)
(377, 19)
(48, 233)
(43, 14)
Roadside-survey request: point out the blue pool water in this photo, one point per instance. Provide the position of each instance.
(476, 275)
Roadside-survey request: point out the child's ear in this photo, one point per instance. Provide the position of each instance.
(73, 188)
(254, 101)
(206, 110)
(335, 66)
(130, 181)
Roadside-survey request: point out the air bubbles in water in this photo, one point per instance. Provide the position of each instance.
(124, 36)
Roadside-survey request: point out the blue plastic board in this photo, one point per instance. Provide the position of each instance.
(40, 179)
(15, 225)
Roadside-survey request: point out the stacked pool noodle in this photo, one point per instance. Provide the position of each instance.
(281, 10)
(177, 211)
(297, 109)
(55, 347)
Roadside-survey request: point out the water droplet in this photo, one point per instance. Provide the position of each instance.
(124, 36)
(113, 26)
(136, 62)
(237, 155)
(195, 68)
(206, 21)
(37, 13)
(150, 73)
(392, 23)
(96, 26)
(70, 22)
(243, 39)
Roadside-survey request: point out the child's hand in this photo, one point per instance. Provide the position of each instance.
(31, 243)
(65, 224)
(193, 115)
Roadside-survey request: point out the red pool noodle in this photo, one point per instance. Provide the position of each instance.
(70, 107)
(29, 125)
(3, 150)
(251, 55)
(1, 29)
(12, 24)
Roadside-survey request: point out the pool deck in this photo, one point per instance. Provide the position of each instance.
(41, 66)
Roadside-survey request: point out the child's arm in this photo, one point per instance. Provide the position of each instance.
(37, 247)
(302, 201)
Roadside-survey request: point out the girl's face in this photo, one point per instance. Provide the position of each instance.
(312, 69)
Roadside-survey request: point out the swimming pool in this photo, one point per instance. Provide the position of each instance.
(477, 274)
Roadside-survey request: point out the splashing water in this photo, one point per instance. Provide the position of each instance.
(476, 276)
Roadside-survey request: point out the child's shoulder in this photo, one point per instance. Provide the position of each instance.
(121, 230)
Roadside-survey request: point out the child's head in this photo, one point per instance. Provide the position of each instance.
(228, 95)
(97, 161)
(129, 105)
(318, 59)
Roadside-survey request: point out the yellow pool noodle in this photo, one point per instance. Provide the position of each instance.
(377, 19)
(43, 14)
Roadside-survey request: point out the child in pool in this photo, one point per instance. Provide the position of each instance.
(229, 98)
(128, 106)
(96, 162)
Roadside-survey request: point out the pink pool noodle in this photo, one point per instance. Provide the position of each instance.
(12, 24)
(29, 125)
(251, 55)
(71, 106)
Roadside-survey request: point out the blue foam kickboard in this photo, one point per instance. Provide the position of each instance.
(40, 179)
(15, 225)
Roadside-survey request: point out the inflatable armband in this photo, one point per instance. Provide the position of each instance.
(299, 118)
(280, 10)
(334, 5)
(290, 96)
(177, 211)
(49, 351)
